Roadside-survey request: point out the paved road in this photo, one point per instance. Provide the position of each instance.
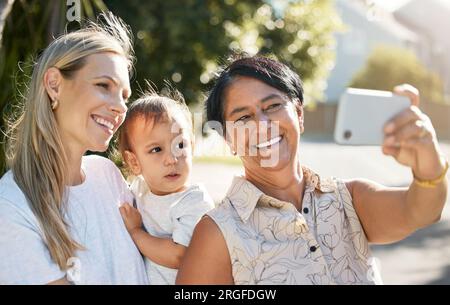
(423, 258)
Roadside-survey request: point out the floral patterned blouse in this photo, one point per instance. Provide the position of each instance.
(271, 242)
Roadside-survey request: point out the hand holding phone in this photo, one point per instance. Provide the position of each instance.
(362, 115)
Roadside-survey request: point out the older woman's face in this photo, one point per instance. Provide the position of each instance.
(263, 125)
(92, 104)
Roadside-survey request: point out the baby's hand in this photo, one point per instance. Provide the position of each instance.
(131, 217)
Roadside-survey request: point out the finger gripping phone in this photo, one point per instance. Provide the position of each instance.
(362, 114)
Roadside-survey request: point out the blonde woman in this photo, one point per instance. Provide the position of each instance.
(59, 215)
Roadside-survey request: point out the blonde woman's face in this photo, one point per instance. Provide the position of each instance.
(92, 104)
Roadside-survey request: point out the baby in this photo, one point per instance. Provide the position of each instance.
(156, 142)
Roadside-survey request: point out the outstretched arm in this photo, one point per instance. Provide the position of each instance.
(391, 214)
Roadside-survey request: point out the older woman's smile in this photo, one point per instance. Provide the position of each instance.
(268, 144)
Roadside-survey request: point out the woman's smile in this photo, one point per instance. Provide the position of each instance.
(270, 144)
(106, 125)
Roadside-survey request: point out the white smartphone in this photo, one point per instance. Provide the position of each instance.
(362, 114)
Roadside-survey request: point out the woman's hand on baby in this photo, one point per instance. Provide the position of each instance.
(411, 139)
(131, 217)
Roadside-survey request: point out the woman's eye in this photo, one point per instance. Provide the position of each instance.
(103, 85)
(242, 119)
(181, 145)
(273, 107)
(155, 150)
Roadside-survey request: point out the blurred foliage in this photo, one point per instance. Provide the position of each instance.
(183, 42)
(389, 66)
(29, 28)
(304, 37)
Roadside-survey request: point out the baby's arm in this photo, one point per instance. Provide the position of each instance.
(163, 251)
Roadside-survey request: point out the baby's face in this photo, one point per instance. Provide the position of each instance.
(164, 154)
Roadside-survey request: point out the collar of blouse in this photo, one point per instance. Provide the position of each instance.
(244, 196)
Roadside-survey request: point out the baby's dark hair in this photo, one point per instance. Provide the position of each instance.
(156, 107)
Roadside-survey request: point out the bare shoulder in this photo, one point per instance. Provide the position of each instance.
(207, 260)
(208, 227)
(358, 186)
(207, 235)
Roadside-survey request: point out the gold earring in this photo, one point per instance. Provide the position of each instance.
(54, 104)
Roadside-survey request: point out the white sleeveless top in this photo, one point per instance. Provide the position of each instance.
(271, 242)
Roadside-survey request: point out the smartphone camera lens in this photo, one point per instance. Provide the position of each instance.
(347, 134)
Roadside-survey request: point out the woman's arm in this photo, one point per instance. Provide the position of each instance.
(162, 251)
(207, 260)
(391, 214)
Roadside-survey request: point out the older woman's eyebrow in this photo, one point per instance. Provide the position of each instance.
(263, 100)
(270, 97)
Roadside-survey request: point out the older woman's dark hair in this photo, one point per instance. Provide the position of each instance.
(267, 70)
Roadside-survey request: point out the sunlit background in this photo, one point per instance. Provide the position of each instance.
(372, 44)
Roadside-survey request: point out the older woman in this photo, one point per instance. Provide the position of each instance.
(59, 209)
(281, 223)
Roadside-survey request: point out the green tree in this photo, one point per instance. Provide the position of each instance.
(184, 43)
(388, 66)
(301, 34)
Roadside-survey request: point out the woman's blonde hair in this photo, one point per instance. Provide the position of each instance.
(35, 151)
